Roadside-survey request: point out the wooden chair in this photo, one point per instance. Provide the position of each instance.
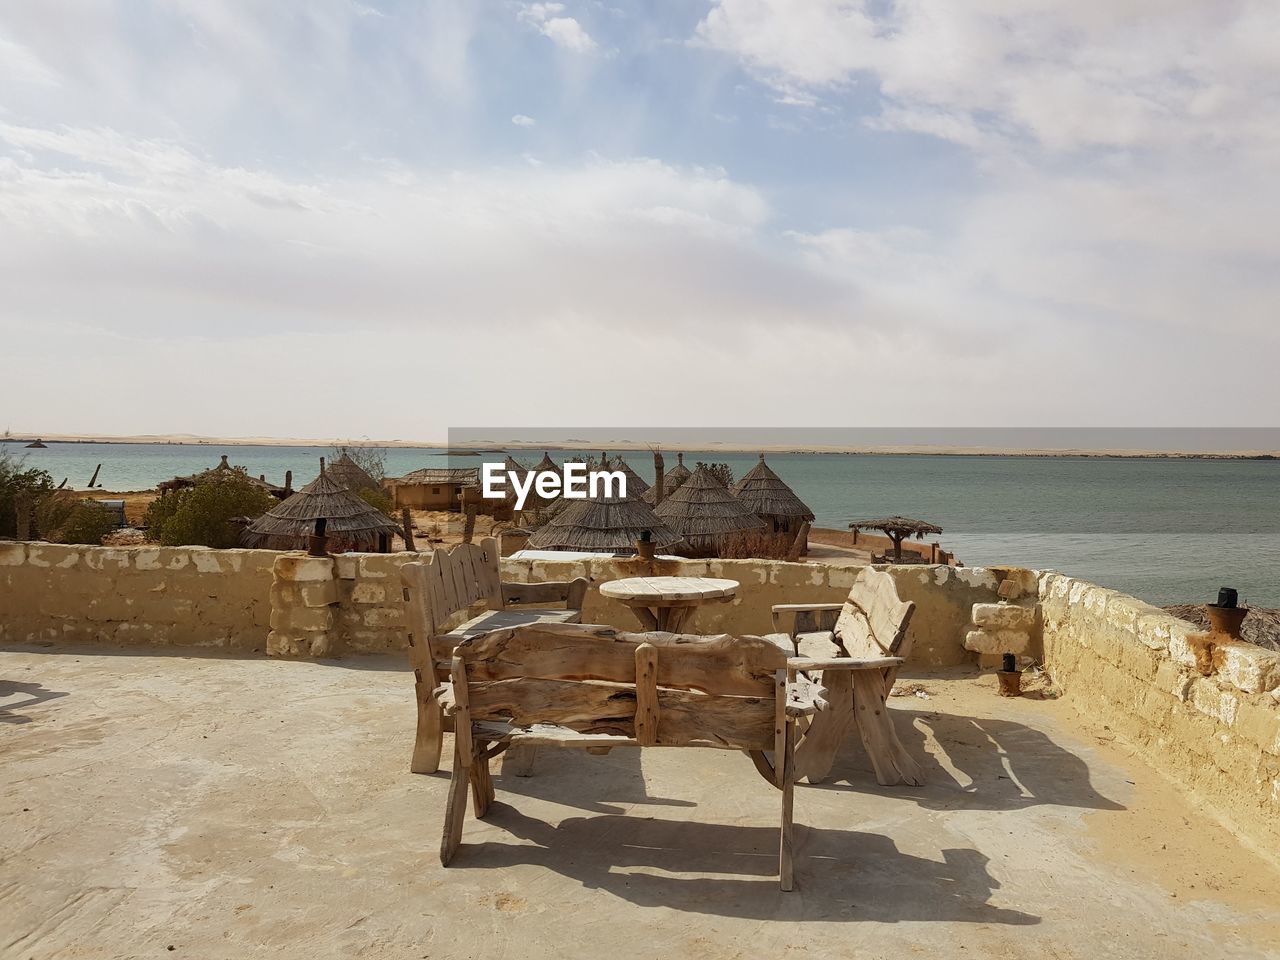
(871, 623)
(595, 688)
(447, 584)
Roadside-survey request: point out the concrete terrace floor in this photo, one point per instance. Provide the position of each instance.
(165, 805)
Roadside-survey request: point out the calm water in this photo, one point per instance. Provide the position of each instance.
(1163, 529)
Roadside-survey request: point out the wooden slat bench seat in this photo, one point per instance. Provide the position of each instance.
(446, 585)
(596, 688)
(869, 627)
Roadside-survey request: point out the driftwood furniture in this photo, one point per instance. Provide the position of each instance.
(595, 688)
(871, 623)
(666, 603)
(435, 592)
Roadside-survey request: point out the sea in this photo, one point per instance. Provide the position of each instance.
(1168, 530)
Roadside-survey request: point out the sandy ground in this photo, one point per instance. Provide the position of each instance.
(208, 807)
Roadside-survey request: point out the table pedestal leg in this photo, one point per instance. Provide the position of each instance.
(673, 619)
(647, 620)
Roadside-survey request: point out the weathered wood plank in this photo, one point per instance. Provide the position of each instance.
(719, 665)
(647, 715)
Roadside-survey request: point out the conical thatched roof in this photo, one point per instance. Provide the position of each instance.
(702, 510)
(637, 486)
(351, 475)
(352, 523)
(765, 494)
(671, 480)
(603, 524)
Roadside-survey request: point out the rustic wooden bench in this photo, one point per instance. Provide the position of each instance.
(436, 592)
(596, 688)
(871, 623)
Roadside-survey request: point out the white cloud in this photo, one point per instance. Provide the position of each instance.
(20, 65)
(1068, 76)
(520, 120)
(565, 32)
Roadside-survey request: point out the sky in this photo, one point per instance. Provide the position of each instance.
(385, 220)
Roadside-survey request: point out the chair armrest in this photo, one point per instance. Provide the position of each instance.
(844, 663)
(570, 592)
(804, 697)
(785, 615)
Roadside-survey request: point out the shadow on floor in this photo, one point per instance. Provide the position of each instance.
(36, 693)
(976, 763)
(840, 874)
(621, 769)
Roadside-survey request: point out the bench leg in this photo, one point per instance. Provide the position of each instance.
(455, 810)
(518, 761)
(430, 737)
(785, 869)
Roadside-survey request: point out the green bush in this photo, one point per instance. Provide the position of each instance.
(201, 515)
(16, 480)
(64, 517)
(378, 500)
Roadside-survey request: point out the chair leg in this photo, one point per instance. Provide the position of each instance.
(429, 742)
(455, 811)
(482, 792)
(785, 869)
(518, 761)
(889, 758)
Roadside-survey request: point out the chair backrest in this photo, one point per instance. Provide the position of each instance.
(451, 581)
(660, 688)
(874, 620)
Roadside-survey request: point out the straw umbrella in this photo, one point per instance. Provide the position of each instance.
(603, 524)
(765, 494)
(351, 524)
(898, 529)
(671, 480)
(704, 512)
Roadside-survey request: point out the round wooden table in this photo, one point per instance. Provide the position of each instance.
(666, 603)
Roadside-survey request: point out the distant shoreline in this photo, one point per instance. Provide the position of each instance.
(854, 450)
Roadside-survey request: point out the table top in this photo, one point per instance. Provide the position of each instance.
(657, 590)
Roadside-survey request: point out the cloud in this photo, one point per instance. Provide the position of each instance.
(520, 120)
(565, 32)
(1066, 76)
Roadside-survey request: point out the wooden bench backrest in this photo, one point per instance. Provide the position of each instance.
(659, 688)
(452, 580)
(874, 620)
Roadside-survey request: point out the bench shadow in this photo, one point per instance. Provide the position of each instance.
(840, 874)
(975, 763)
(36, 693)
(622, 767)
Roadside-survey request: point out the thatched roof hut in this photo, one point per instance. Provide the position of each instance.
(704, 512)
(351, 524)
(351, 475)
(603, 525)
(213, 473)
(671, 480)
(765, 494)
(637, 486)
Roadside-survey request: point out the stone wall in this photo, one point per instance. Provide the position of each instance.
(192, 596)
(164, 596)
(1209, 720)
